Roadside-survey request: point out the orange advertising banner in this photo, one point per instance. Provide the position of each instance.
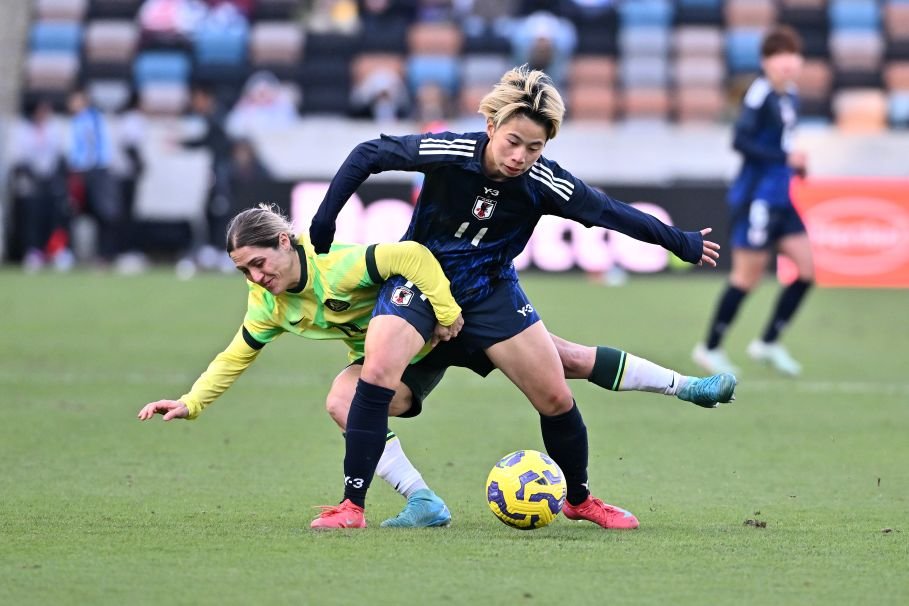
(859, 231)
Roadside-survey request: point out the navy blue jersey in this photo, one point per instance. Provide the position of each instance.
(476, 226)
(763, 135)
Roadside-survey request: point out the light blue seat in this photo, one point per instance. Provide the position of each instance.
(898, 109)
(161, 66)
(56, 37)
(221, 46)
(438, 69)
(854, 14)
(743, 49)
(646, 13)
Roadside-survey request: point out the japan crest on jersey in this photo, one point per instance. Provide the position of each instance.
(402, 296)
(483, 207)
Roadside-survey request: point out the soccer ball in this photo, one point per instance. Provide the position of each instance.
(525, 489)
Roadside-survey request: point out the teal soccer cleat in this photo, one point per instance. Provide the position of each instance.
(709, 391)
(424, 509)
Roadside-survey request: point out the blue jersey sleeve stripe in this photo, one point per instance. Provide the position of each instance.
(251, 340)
(371, 268)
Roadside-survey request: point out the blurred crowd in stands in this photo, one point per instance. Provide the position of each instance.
(97, 70)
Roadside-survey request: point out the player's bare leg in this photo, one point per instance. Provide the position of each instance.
(618, 370)
(531, 361)
(424, 508)
(768, 349)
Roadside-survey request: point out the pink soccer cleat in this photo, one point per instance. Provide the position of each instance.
(345, 515)
(598, 512)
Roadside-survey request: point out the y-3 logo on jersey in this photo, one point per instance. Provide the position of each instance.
(483, 207)
(491, 192)
(527, 309)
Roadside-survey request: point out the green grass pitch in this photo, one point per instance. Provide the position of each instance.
(98, 508)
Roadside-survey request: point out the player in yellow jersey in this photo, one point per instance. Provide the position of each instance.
(332, 296)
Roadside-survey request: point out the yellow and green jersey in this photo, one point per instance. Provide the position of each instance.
(333, 301)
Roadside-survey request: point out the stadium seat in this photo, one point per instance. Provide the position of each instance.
(114, 9)
(702, 12)
(896, 20)
(161, 66)
(56, 37)
(816, 80)
(109, 95)
(646, 13)
(51, 71)
(163, 98)
(275, 43)
(644, 41)
(276, 9)
(60, 10)
(591, 102)
(111, 41)
(854, 15)
(365, 64)
(441, 70)
(896, 76)
(699, 104)
(898, 109)
(749, 13)
(434, 39)
(697, 40)
(647, 72)
(593, 70)
(645, 103)
(469, 99)
(860, 110)
(856, 50)
(221, 46)
(743, 49)
(483, 70)
(698, 71)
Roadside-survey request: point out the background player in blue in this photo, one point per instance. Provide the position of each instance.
(763, 217)
(483, 194)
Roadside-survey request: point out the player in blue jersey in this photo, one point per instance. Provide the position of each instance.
(763, 218)
(482, 196)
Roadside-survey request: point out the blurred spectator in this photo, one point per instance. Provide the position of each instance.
(381, 96)
(218, 210)
(39, 187)
(545, 42)
(332, 16)
(90, 157)
(263, 104)
(248, 175)
(432, 108)
(384, 14)
(131, 132)
(170, 22)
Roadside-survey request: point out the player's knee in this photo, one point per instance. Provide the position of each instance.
(574, 360)
(381, 372)
(554, 401)
(337, 404)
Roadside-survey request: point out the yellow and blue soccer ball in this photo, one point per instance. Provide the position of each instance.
(526, 489)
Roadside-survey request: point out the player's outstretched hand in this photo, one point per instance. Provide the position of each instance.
(711, 250)
(321, 235)
(171, 409)
(446, 333)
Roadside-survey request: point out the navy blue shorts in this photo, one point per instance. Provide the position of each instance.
(760, 226)
(500, 316)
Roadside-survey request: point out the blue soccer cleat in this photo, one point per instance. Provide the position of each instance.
(424, 509)
(709, 391)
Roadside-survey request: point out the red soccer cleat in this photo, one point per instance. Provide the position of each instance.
(598, 512)
(345, 515)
